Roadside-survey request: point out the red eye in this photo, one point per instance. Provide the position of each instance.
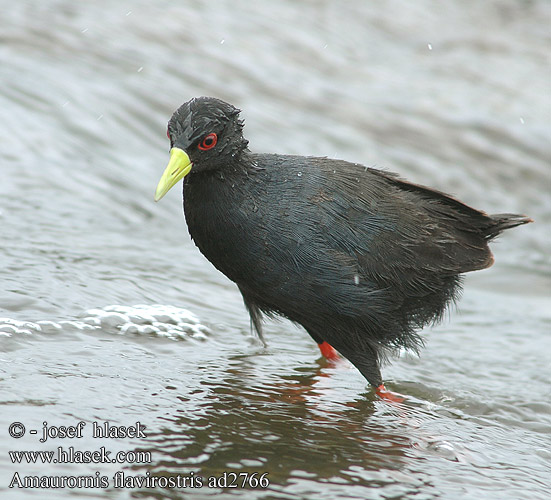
(208, 142)
(167, 133)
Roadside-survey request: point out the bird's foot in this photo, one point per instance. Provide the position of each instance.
(328, 351)
(387, 395)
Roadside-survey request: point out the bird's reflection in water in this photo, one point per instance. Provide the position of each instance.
(286, 425)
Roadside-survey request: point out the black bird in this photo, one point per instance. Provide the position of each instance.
(359, 257)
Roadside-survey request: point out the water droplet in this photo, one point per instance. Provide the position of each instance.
(222, 41)
(140, 69)
(356, 279)
(299, 174)
(429, 45)
(84, 30)
(129, 12)
(521, 120)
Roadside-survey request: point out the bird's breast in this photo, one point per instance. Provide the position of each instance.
(226, 224)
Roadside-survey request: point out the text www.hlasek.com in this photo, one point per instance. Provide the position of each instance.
(71, 456)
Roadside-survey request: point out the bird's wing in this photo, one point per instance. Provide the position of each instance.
(401, 229)
(357, 243)
(363, 240)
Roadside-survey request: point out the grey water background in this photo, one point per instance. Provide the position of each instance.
(109, 313)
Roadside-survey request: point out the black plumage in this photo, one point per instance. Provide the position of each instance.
(359, 257)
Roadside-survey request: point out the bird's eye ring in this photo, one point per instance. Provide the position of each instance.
(208, 142)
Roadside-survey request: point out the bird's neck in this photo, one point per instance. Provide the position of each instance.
(218, 205)
(233, 169)
(240, 165)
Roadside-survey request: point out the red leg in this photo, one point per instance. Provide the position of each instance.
(328, 351)
(383, 393)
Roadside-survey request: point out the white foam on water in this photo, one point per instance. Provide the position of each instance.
(143, 319)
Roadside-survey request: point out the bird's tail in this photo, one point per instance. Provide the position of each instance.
(501, 222)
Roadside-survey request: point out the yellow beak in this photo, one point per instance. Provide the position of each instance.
(178, 167)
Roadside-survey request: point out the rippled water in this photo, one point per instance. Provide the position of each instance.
(109, 313)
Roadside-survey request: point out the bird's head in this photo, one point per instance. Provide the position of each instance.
(205, 134)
